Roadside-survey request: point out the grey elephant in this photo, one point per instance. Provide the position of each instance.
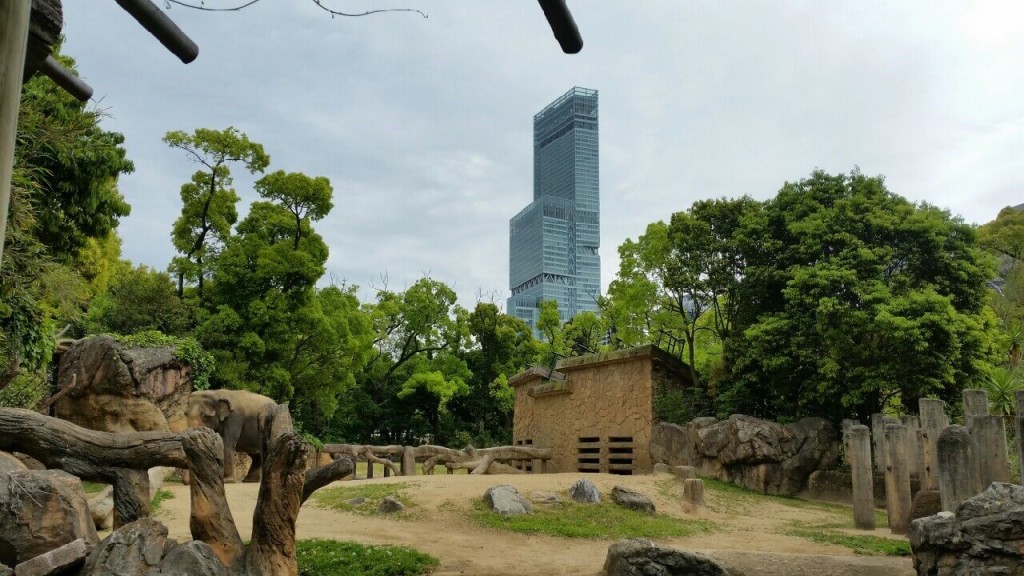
(238, 417)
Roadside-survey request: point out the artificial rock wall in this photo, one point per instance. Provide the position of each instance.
(595, 412)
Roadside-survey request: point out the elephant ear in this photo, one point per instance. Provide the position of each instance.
(223, 409)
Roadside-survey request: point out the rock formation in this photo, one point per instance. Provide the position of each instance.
(756, 454)
(985, 536)
(114, 387)
(41, 511)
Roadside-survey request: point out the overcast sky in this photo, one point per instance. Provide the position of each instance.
(424, 126)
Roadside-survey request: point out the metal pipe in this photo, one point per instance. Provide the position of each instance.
(62, 77)
(166, 31)
(14, 18)
(563, 25)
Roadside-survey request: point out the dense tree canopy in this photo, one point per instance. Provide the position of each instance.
(854, 298)
(836, 298)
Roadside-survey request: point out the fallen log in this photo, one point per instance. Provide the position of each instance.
(53, 442)
(286, 483)
(317, 478)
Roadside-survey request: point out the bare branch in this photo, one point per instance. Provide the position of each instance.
(202, 6)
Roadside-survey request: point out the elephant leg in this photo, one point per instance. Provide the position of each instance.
(254, 469)
(229, 461)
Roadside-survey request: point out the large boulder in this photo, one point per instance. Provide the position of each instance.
(8, 463)
(41, 510)
(985, 536)
(57, 561)
(135, 549)
(192, 558)
(745, 440)
(639, 557)
(114, 387)
(761, 455)
(121, 388)
(669, 444)
(507, 501)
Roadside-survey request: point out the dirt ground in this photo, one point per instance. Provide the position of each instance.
(749, 538)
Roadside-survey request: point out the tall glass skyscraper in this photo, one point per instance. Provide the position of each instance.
(553, 242)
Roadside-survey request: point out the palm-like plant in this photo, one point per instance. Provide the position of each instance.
(1001, 386)
(1014, 344)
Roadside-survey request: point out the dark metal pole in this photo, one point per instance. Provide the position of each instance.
(562, 24)
(167, 32)
(65, 79)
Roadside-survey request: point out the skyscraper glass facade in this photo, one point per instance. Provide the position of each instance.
(554, 241)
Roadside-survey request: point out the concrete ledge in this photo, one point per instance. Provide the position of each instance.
(549, 389)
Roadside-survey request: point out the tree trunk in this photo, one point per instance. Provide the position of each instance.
(317, 478)
(211, 520)
(272, 550)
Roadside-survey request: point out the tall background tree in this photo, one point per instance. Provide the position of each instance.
(208, 201)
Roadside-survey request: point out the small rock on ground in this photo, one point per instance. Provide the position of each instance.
(507, 501)
(388, 505)
(583, 490)
(629, 498)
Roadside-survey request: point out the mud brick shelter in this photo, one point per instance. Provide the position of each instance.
(595, 412)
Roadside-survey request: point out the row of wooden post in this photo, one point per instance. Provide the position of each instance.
(958, 461)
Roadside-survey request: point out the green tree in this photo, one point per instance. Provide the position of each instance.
(1005, 236)
(1002, 385)
(74, 167)
(263, 306)
(854, 298)
(139, 299)
(304, 197)
(650, 301)
(549, 324)
(208, 201)
(333, 340)
(584, 333)
(64, 192)
(501, 347)
(418, 331)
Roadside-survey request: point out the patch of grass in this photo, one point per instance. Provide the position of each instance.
(371, 492)
(862, 545)
(93, 487)
(605, 520)
(158, 499)
(330, 558)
